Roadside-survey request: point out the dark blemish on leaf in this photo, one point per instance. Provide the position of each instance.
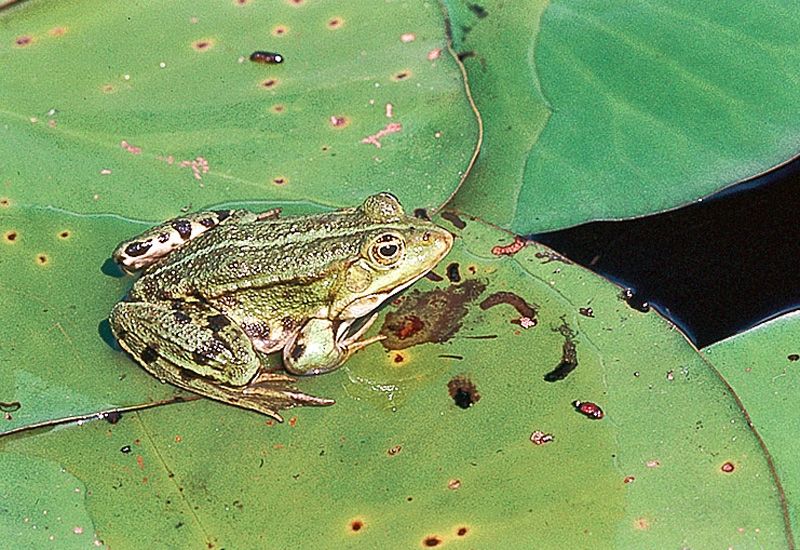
(628, 479)
(634, 301)
(510, 249)
(10, 236)
(280, 30)
(453, 273)
(64, 235)
(793, 357)
(527, 311)
(126, 449)
(393, 451)
(449, 356)
(280, 180)
(112, 417)
(454, 484)
(269, 83)
(728, 467)
(339, 121)
(108, 89)
(463, 392)
(431, 541)
(137, 248)
(202, 45)
(5, 203)
(402, 75)
(398, 358)
(454, 219)
(465, 55)
(586, 312)
(183, 227)
(462, 531)
(42, 259)
(218, 322)
(356, 525)
(57, 31)
(296, 2)
(422, 214)
(149, 355)
(569, 362)
(266, 58)
(541, 438)
(478, 10)
(434, 316)
(335, 23)
(431, 276)
(23, 41)
(482, 337)
(552, 256)
(277, 108)
(10, 406)
(589, 409)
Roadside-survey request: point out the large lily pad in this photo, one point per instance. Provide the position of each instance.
(142, 108)
(651, 104)
(431, 439)
(761, 365)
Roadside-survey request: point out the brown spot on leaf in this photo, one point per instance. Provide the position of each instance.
(356, 525)
(502, 297)
(462, 531)
(280, 180)
(277, 108)
(401, 75)
(463, 392)
(42, 259)
(202, 45)
(454, 484)
(10, 236)
(454, 219)
(23, 41)
(728, 467)
(433, 316)
(394, 450)
(339, 121)
(57, 31)
(269, 83)
(5, 203)
(64, 234)
(335, 23)
(280, 30)
(432, 541)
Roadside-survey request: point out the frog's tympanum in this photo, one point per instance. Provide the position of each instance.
(221, 289)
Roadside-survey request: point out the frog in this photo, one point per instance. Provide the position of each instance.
(219, 292)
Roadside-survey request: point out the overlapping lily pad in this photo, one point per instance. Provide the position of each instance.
(463, 428)
(651, 105)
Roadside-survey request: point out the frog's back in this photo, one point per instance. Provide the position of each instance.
(259, 254)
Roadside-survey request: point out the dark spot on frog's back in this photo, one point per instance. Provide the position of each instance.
(137, 248)
(181, 317)
(433, 316)
(163, 237)
(218, 322)
(149, 355)
(208, 222)
(222, 215)
(183, 227)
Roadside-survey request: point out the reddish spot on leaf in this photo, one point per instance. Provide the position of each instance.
(510, 249)
(140, 461)
(202, 45)
(431, 541)
(269, 83)
(339, 121)
(356, 525)
(57, 31)
(279, 180)
(589, 409)
(23, 41)
(728, 467)
(462, 531)
(280, 30)
(335, 23)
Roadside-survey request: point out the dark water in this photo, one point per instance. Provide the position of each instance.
(716, 267)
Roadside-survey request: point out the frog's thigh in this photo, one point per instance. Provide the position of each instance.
(176, 343)
(313, 349)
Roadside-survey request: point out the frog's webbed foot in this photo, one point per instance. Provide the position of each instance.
(147, 248)
(199, 349)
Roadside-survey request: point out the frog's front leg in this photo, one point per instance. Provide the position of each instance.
(146, 249)
(322, 345)
(197, 348)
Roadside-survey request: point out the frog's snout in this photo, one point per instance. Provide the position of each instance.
(440, 239)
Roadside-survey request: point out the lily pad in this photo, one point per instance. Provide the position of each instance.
(761, 366)
(463, 427)
(144, 108)
(647, 105)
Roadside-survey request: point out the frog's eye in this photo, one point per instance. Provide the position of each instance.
(386, 250)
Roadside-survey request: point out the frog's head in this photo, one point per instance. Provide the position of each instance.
(396, 250)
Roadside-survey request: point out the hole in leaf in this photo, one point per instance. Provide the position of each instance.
(10, 236)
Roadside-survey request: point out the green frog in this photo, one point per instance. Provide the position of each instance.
(220, 290)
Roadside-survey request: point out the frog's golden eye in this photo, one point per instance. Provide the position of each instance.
(386, 250)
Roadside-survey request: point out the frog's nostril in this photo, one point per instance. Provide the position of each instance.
(426, 236)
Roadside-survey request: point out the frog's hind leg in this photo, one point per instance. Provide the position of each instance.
(197, 348)
(146, 249)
